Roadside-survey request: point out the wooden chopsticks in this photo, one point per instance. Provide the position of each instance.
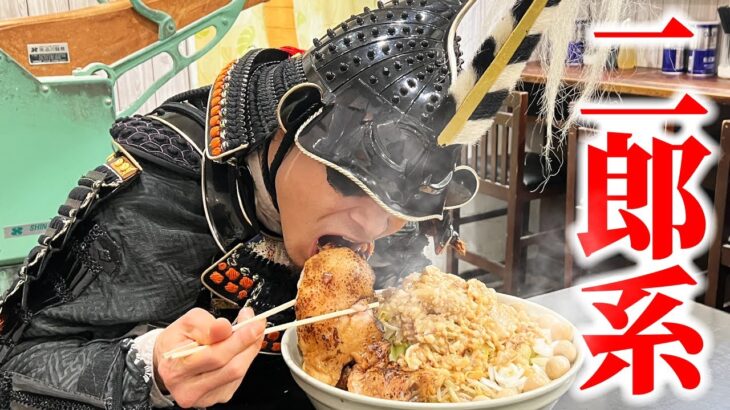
(320, 318)
(194, 347)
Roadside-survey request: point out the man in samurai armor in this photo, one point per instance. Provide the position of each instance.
(210, 205)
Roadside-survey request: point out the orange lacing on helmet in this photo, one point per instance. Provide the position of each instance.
(215, 124)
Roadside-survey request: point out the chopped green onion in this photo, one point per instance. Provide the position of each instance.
(397, 350)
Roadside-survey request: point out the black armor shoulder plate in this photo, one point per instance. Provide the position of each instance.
(167, 137)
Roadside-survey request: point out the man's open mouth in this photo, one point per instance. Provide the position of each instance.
(364, 249)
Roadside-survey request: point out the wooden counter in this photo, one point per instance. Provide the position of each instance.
(647, 82)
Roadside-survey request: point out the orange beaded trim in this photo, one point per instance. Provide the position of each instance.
(217, 278)
(246, 282)
(231, 287)
(237, 283)
(229, 281)
(215, 124)
(267, 345)
(232, 274)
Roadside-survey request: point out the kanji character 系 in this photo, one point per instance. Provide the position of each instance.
(650, 340)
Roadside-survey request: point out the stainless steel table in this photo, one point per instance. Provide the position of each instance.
(568, 303)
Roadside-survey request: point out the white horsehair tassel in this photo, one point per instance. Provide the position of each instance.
(484, 29)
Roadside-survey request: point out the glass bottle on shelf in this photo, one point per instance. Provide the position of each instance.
(627, 56)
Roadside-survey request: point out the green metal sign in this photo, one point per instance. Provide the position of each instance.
(52, 130)
(55, 129)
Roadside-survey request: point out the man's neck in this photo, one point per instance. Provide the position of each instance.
(266, 213)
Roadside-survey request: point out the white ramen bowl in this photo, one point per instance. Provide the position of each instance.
(326, 397)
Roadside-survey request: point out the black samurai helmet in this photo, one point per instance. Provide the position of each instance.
(372, 96)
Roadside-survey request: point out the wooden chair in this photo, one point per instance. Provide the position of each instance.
(508, 172)
(718, 264)
(575, 134)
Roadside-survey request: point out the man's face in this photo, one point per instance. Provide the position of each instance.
(311, 209)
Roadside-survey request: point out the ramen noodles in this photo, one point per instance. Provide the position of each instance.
(473, 346)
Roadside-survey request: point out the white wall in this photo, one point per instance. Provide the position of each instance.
(131, 84)
(138, 80)
(700, 10)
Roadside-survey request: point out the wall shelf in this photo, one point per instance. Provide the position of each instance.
(648, 82)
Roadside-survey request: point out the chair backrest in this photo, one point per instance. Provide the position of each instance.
(722, 180)
(716, 276)
(500, 153)
(575, 135)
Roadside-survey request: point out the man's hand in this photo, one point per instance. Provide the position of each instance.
(212, 375)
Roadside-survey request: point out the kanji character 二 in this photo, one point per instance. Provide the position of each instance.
(642, 346)
(636, 176)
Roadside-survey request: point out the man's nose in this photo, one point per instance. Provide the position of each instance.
(371, 218)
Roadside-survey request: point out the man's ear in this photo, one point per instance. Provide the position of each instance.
(298, 104)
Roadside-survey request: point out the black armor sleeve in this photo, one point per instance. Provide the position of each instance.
(126, 250)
